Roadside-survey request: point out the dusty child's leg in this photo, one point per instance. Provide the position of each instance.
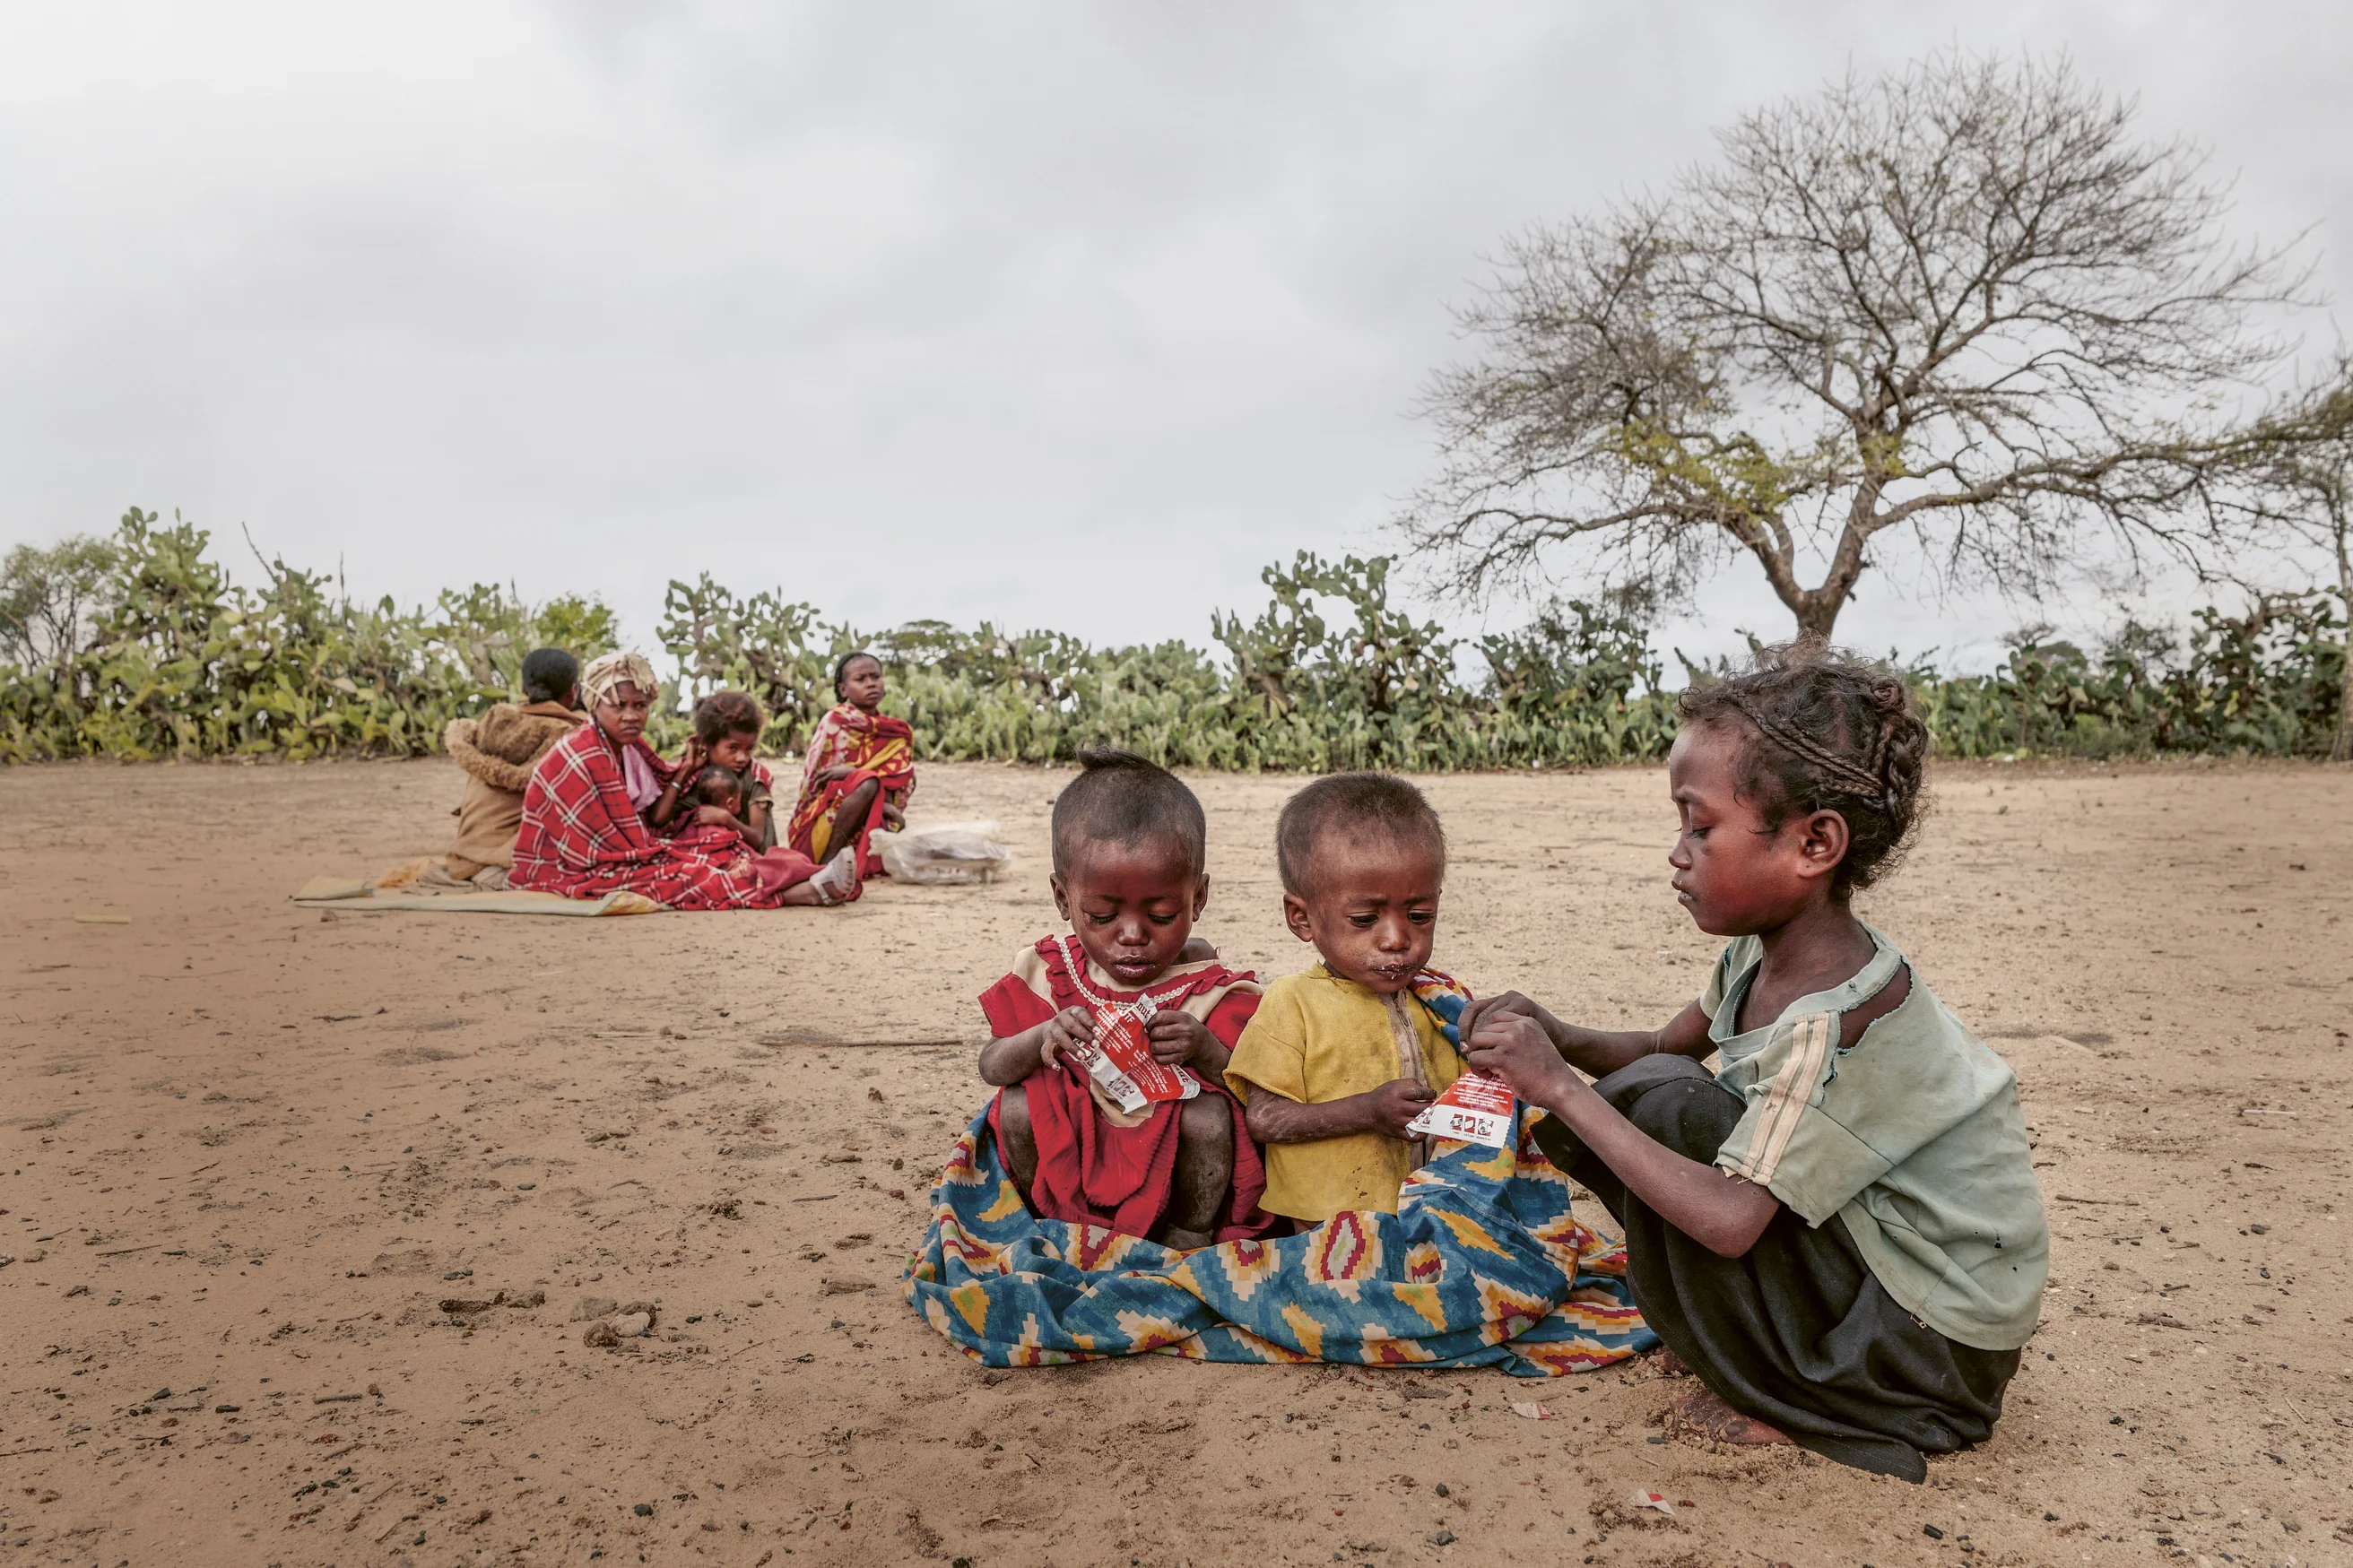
(1622, 1088)
(1795, 1338)
(850, 814)
(1683, 1114)
(1704, 1411)
(1014, 1138)
(1205, 1172)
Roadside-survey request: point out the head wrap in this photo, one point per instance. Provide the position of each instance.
(632, 669)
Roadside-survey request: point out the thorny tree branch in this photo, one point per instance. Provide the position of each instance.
(1963, 301)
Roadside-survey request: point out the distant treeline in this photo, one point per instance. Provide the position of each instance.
(139, 647)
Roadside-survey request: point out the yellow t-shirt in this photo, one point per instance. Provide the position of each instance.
(1317, 1038)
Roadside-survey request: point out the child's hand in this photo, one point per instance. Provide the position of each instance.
(1513, 1046)
(1396, 1102)
(1178, 1038)
(893, 819)
(1503, 1005)
(716, 817)
(695, 758)
(1070, 1027)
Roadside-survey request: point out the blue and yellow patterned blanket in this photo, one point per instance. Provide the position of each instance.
(1483, 1264)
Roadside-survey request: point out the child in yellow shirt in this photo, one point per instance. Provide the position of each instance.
(1337, 1061)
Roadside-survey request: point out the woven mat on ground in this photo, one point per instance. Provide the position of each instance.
(1483, 1264)
(340, 893)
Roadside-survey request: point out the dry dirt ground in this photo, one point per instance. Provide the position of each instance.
(249, 1150)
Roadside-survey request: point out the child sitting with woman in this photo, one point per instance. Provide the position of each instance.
(1338, 1060)
(1129, 844)
(1848, 1093)
(718, 802)
(499, 751)
(727, 726)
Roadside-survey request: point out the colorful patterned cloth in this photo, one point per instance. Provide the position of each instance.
(1445, 996)
(873, 746)
(1483, 1264)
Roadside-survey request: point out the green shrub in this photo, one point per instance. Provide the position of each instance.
(165, 659)
(2263, 683)
(139, 647)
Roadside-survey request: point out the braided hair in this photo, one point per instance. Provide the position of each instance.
(1822, 731)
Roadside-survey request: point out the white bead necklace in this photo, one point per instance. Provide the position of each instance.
(1142, 1008)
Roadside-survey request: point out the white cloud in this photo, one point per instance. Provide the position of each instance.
(1068, 316)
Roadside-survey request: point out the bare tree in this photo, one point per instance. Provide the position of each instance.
(2302, 497)
(1963, 301)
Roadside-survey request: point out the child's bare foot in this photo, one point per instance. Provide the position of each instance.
(1709, 1415)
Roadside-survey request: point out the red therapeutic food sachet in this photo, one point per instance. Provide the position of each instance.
(1121, 1061)
(1476, 1109)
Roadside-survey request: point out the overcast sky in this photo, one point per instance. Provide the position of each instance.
(1052, 315)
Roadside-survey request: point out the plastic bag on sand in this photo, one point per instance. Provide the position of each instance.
(950, 852)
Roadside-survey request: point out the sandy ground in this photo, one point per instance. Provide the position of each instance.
(250, 1150)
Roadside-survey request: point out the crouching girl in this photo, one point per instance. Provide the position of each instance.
(1839, 1232)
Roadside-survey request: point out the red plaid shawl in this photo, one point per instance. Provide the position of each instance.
(582, 837)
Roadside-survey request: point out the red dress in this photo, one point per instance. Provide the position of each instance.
(1091, 1170)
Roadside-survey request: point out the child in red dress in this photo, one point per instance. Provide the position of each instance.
(1129, 845)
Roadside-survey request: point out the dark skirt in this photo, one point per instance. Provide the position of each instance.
(1798, 1332)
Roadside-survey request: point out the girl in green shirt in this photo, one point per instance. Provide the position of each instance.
(1839, 1231)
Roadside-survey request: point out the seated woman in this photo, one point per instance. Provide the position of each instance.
(497, 752)
(860, 770)
(583, 825)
